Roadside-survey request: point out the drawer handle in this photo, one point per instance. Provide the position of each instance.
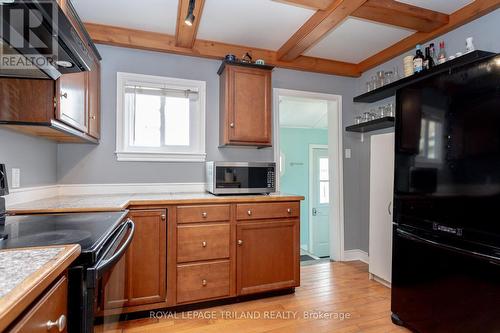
(204, 244)
(59, 323)
(204, 214)
(240, 242)
(289, 211)
(249, 213)
(203, 282)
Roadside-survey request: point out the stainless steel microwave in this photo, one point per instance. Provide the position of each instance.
(240, 177)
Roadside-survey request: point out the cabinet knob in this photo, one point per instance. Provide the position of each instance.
(231, 125)
(60, 324)
(203, 282)
(65, 95)
(204, 214)
(289, 211)
(249, 213)
(163, 217)
(92, 117)
(204, 244)
(240, 242)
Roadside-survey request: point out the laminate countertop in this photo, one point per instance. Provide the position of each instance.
(118, 202)
(26, 273)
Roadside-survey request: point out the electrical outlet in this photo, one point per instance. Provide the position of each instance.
(348, 153)
(16, 177)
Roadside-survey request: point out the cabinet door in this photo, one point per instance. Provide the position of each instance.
(72, 104)
(381, 193)
(147, 264)
(140, 276)
(94, 99)
(267, 256)
(250, 107)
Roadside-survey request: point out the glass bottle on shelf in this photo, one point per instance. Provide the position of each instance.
(432, 51)
(442, 53)
(418, 60)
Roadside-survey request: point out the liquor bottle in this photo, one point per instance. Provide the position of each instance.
(442, 54)
(418, 60)
(433, 53)
(428, 61)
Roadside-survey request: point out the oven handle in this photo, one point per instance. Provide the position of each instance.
(413, 237)
(96, 272)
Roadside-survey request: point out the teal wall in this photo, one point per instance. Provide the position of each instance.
(294, 144)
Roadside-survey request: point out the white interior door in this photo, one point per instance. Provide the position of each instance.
(320, 202)
(381, 194)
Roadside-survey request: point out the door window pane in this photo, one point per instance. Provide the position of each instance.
(324, 192)
(323, 168)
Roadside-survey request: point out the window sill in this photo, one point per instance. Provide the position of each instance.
(160, 157)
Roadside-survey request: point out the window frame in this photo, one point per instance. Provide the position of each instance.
(197, 151)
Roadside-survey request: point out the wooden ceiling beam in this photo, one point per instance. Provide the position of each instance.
(185, 35)
(317, 27)
(401, 15)
(153, 41)
(311, 4)
(462, 16)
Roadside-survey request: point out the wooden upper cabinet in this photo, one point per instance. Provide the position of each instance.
(94, 100)
(245, 105)
(71, 92)
(267, 256)
(144, 265)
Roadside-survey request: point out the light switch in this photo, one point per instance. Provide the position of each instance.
(16, 177)
(348, 153)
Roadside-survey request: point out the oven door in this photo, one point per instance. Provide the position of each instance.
(442, 287)
(98, 279)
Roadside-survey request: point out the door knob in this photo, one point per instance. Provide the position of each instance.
(60, 323)
(314, 211)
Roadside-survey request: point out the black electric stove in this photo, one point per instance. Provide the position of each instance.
(90, 230)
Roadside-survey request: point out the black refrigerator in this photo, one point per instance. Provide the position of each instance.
(446, 236)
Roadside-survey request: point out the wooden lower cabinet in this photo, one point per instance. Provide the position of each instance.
(202, 281)
(140, 276)
(49, 314)
(268, 256)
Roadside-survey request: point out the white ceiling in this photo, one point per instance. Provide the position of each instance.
(298, 112)
(355, 40)
(257, 23)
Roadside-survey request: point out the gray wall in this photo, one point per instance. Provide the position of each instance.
(97, 164)
(34, 156)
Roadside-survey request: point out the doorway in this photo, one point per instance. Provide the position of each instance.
(307, 150)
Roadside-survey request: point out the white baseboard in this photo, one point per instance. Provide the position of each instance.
(352, 255)
(304, 247)
(21, 195)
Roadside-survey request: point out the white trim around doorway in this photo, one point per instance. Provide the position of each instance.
(335, 146)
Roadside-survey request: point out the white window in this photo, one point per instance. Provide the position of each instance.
(160, 119)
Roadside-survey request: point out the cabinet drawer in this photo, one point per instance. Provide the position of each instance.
(52, 307)
(267, 210)
(202, 281)
(202, 242)
(204, 213)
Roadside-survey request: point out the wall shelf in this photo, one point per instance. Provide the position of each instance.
(372, 125)
(390, 89)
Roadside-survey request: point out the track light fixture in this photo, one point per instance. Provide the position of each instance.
(190, 16)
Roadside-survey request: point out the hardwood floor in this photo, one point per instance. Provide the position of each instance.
(340, 291)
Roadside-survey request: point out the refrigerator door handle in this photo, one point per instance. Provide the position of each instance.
(416, 238)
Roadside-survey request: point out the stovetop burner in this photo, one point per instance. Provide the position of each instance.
(89, 230)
